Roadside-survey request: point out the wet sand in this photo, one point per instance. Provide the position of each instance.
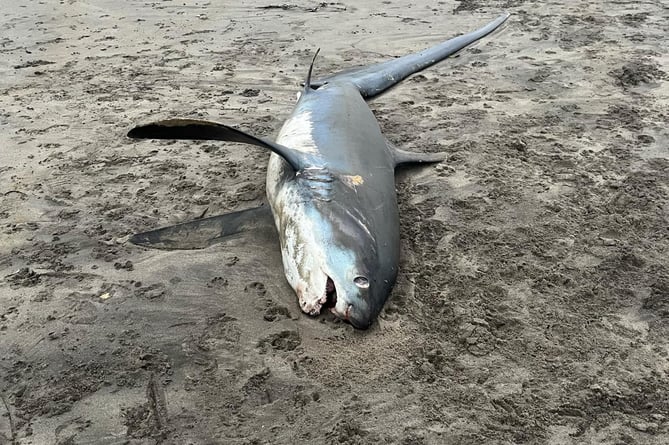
(533, 300)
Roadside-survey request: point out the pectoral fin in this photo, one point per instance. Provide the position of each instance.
(201, 233)
(406, 158)
(194, 129)
(403, 157)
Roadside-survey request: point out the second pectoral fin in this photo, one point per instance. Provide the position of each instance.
(405, 158)
(201, 233)
(195, 129)
(408, 158)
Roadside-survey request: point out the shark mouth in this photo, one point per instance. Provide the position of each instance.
(331, 301)
(330, 294)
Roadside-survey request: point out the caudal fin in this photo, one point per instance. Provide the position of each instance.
(375, 79)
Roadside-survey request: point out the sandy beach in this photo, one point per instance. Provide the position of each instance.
(532, 304)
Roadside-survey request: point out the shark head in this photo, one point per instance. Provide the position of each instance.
(330, 259)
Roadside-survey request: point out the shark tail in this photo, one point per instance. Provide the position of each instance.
(375, 79)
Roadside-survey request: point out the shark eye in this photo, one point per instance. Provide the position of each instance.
(361, 282)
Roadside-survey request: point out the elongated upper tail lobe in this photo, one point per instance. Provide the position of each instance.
(375, 79)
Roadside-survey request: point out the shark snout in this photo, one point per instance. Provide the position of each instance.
(355, 312)
(359, 318)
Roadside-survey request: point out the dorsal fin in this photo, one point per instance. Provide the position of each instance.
(307, 82)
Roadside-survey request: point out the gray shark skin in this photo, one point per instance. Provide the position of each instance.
(330, 188)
